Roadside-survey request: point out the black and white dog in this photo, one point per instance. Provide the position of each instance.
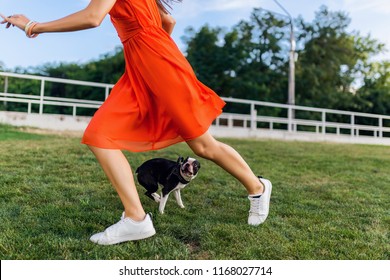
(173, 176)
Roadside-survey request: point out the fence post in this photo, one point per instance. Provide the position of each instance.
(230, 121)
(380, 120)
(42, 94)
(290, 116)
(107, 92)
(352, 125)
(5, 89)
(6, 84)
(323, 122)
(253, 117)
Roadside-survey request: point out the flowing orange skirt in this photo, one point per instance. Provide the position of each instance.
(158, 101)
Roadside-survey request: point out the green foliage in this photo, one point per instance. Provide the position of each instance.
(331, 60)
(329, 202)
(242, 63)
(334, 67)
(107, 69)
(203, 48)
(375, 93)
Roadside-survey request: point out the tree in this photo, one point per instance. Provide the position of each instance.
(205, 55)
(247, 62)
(330, 61)
(376, 89)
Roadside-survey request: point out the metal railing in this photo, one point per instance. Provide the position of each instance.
(319, 122)
(43, 100)
(258, 116)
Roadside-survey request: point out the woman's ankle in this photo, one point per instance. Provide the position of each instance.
(137, 216)
(258, 190)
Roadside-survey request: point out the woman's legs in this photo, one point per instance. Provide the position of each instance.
(229, 159)
(118, 171)
(139, 226)
(134, 224)
(259, 190)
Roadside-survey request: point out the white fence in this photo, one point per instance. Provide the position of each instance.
(308, 123)
(43, 100)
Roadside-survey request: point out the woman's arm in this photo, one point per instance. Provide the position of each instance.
(168, 22)
(90, 17)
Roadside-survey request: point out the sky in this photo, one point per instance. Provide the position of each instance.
(16, 50)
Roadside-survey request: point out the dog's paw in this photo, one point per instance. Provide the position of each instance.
(156, 197)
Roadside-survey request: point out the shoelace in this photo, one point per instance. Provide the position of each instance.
(255, 206)
(114, 226)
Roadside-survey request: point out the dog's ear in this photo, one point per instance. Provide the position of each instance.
(186, 159)
(180, 160)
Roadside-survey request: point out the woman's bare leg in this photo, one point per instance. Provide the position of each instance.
(259, 190)
(229, 159)
(118, 171)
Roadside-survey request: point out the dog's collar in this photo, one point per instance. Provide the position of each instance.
(182, 180)
(176, 171)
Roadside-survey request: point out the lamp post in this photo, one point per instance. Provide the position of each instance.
(291, 75)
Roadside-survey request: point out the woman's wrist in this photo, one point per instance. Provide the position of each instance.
(29, 29)
(28, 26)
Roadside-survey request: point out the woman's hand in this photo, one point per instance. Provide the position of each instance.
(168, 22)
(90, 17)
(19, 21)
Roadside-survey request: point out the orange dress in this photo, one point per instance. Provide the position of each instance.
(158, 101)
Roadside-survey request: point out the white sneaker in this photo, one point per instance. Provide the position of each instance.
(125, 230)
(260, 204)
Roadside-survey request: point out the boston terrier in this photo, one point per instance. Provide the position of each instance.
(173, 176)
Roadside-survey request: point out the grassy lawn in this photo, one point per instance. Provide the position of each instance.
(330, 201)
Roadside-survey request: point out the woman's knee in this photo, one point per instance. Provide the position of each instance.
(93, 149)
(204, 147)
(201, 151)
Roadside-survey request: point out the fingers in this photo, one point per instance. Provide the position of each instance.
(4, 19)
(11, 18)
(14, 20)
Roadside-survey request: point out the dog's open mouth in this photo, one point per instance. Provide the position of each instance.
(188, 169)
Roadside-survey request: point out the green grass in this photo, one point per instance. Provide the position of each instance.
(330, 201)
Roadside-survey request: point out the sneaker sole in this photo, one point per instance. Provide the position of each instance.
(131, 237)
